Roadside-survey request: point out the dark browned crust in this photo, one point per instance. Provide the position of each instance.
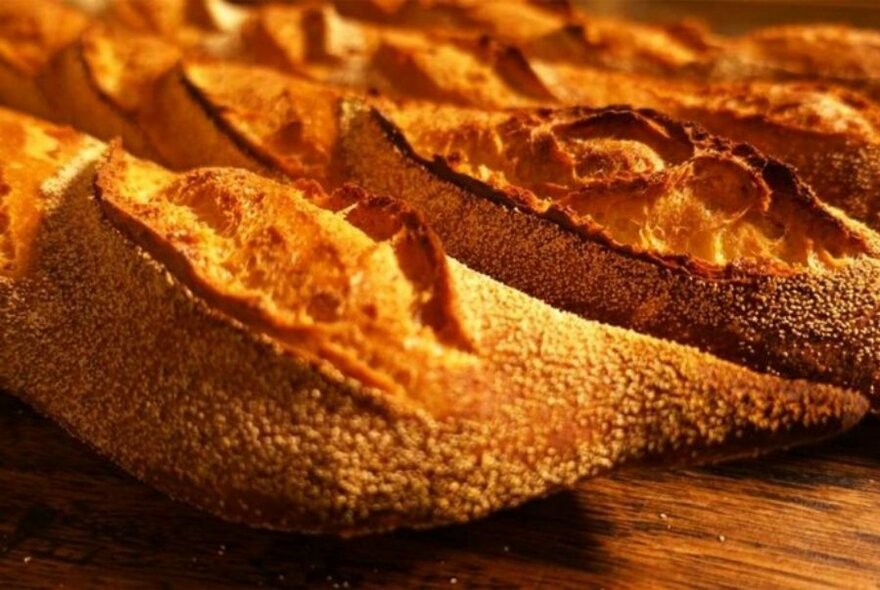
(778, 175)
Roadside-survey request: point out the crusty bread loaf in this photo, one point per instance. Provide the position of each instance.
(627, 217)
(300, 360)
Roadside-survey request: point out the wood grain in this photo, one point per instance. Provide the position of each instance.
(804, 519)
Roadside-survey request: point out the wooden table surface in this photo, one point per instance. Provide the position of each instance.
(808, 518)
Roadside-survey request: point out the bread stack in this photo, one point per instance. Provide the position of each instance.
(351, 266)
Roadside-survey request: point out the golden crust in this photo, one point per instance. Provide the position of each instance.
(831, 53)
(20, 212)
(30, 34)
(313, 40)
(101, 83)
(377, 303)
(830, 134)
(637, 180)
(290, 125)
(806, 317)
(187, 22)
(514, 19)
(148, 362)
(318, 43)
(631, 47)
(413, 67)
(556, 31)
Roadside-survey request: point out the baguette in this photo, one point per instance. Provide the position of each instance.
(293, 359)
(289, 129)
(558, 32)
(821, 252)
(831, 54)
(764, 302)
(829, 134)
(835, 54)
(629, 218)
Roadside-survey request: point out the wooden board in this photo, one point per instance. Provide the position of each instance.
(804, 519)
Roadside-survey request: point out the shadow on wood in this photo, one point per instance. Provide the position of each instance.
(807, 518)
